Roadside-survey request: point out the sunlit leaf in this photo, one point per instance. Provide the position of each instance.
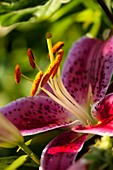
(22, 11)
(17, 163)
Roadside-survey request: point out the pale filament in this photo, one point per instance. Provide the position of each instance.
(62, 96)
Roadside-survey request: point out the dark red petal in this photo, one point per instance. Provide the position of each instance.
(61, 151)
(104, 108)
(105, 127)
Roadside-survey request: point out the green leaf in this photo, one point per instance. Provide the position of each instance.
(17, 163)
(21, 11)
(14, 162)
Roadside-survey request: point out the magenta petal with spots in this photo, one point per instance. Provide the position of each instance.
(90, 61)
(61, 152)
(33, 115)
(105, 127)
(104, 108)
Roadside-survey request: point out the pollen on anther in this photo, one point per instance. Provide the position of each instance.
(57, 62)
(31, 58)
(60, 55)
(36, 83)
(52, 69)
(57, 47)
(17, 74)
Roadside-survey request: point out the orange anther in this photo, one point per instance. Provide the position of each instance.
(57, 62)
(31, 58)
(60, 55)
(36, 83)
(17, 74)
(47, 74)
(45, 79)
(57, 47)
(53, 67)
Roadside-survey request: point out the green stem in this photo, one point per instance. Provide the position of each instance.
(27, 150)
(106, 10)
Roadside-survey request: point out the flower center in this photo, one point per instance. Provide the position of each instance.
(53, 78)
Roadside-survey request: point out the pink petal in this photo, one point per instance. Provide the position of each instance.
(37, 114)
(90, 61)
(104, 108)
(62, 150)
(75, 73)
(105, 127)
(101, 68)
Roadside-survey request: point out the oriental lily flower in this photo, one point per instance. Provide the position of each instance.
(77, 100)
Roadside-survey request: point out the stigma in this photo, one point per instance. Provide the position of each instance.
(52, 77)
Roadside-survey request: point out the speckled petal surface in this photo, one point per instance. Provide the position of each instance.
(60, 153)
(90, 61)
(75, 72)
(37, 114)
(105, 127)
(101, 68)
(104, 108)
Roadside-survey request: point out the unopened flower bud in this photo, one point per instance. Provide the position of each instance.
(10, 136)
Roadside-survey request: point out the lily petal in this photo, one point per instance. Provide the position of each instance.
(60, 153)
(37, 114)
(105, 127)
(90, 61)
(101, 68)
(104, 108)
(81, 164)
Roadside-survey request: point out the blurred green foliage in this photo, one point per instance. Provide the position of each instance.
(25, 23)
(100, 155)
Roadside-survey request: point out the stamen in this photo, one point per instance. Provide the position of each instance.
(52, 77)
(52, 69)
(66, 106)
(31, 58)
(48, 73)
(58, 61)
(57, 47)
(17, 74)
(36, 83)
